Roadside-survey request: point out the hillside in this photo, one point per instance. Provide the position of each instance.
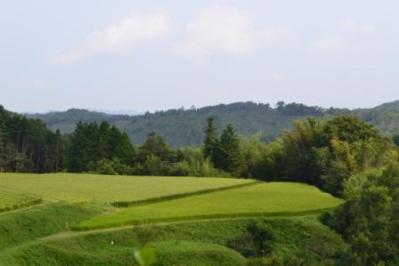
(276, 222)
(184, 127)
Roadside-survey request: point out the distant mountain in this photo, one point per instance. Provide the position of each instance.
(389, 106)
(67, 120)
(184, 127)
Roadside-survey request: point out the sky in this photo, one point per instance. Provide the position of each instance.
(128, 55)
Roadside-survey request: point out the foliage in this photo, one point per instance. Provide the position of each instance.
(184, 127)
(211, 140)
(26, 145)
(145, 256)
(229, 150)
(322, 153)
(255, 242)
(91, 143)
(224, 152)
(396, 139)
(369, 218)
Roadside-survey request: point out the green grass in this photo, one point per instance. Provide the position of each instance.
(299, 240)
(40, 235)
(11, 200)
(25, 225)
(261, 199)
(191, 253)
(108, 189)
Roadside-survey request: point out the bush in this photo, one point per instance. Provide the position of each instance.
(255, 242)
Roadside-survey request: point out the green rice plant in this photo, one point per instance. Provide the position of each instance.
(12, 200)
(269, 199)
(107, 189)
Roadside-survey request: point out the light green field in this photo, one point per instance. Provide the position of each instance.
(11, 200)
(103, 189)
(266, 198)
(41, 235)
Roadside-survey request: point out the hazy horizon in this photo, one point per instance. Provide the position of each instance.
(140, 112)
(159, 55)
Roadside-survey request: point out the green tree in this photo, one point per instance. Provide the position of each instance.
(369, 218)
(396, 139)
(91, 143)
(302, 150)
(2, 144)
(59, 151)
(156, 146)
(211, 140)
(350, 129)
(228, 153)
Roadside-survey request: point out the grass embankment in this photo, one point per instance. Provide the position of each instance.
(25, 225)
(262, 199)
(299, 241)
(12, 200)
(108, 189)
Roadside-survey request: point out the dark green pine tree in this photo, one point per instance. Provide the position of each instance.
(211, 140)
(396, 140)
(59, 151)
(123, 149)
(229, 153)
(78, 157)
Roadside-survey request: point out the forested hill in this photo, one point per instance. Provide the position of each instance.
(184, 127)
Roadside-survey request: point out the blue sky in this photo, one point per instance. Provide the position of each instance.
(152, 55)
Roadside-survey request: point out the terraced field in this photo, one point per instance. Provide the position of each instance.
(11, 199)
(261, 199)
(108, 189)
(189, 220)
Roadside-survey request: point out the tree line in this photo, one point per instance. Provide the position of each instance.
(323, 152)
(27, 145)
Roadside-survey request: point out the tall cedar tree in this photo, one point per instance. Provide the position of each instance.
(211, 140)
(228, 152)
(2, 143)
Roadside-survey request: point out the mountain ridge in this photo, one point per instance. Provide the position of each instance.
(183, 127)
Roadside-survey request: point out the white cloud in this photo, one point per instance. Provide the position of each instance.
(329, 44)
(335, 43)
(352, 25)
(226, 30)
(122, 37)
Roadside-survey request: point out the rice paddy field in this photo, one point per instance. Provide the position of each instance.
(185, 220)
(107, 189)
(259, 199)
(11, 199)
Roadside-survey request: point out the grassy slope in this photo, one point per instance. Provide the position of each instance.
(100, 188)
(25, 225)
(11, 200)
(30, 236)
(191, 243)
(266, 198)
